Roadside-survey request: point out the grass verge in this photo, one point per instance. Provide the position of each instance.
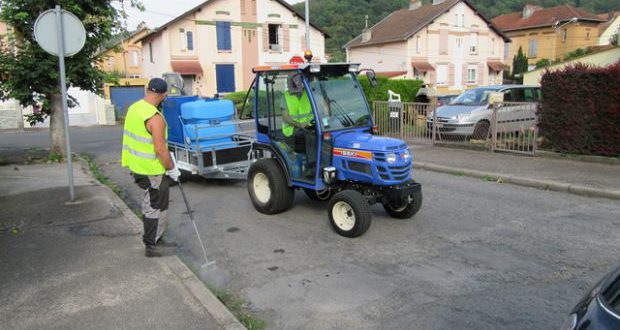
(101, 177)
(236, 306)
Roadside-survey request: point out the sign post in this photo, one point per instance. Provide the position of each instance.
(62, 34)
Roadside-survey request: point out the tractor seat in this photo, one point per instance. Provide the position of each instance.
(208, 124)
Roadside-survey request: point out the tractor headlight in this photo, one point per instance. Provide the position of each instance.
(329, 174)
(391, 158)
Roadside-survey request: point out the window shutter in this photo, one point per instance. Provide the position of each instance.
(190, 40)
(433, 77)
(481, 74)
(223, 35)
(465, 77)
(286, 42)
(265, 37)
(443, 42)
(450, 74)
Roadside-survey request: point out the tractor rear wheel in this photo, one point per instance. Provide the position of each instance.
(349, 213)
(407, 209)
(268, 188)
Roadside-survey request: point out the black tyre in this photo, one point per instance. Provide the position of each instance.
(268, 188)
(320, 196)
(349, 213)
(407, 210)
(481, 130)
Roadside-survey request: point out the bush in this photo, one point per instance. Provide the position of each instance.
(580, 110)
(407, 88)
(237, 98)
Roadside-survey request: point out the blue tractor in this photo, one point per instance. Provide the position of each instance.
(334, 156)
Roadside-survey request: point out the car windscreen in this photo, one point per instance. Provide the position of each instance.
(478, 96)
(339, 100)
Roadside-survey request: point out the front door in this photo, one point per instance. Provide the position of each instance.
(288, 131)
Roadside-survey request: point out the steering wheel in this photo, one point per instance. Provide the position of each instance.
(311, 125)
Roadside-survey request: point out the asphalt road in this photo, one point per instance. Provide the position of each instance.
(479, 255)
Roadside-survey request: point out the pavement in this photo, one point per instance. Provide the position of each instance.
(81, 265)
(564, 175)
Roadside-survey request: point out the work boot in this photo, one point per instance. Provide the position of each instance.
(154, 251)
(165, 243)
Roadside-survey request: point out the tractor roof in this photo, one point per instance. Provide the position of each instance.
(304, 66)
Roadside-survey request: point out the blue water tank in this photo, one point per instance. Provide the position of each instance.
(172, 111)
(209, 123)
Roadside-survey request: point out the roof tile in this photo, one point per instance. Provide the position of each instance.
(543, 17)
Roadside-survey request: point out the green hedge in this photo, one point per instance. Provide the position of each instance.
(407, 88)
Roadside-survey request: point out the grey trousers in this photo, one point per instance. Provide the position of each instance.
(154, 205)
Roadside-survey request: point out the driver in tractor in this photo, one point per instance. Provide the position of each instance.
(298, 122)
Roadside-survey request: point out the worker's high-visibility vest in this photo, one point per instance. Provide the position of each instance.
(138, 148)
(299, 109)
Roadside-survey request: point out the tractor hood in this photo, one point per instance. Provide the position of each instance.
(366, 141)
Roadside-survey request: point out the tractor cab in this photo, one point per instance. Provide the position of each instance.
(314, 122)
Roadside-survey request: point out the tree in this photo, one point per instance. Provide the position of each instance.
(30, 75)
(519, 66)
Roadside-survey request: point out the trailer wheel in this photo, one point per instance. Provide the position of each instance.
(268, 188)
(320, 196)
(407, 210)
(349, 213)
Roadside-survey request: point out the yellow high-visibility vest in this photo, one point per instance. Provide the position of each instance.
(138, 147)
(299, 109)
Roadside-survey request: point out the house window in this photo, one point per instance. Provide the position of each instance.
(462, 20)
(190, 40)
(242, 7)
(442, 74)
(223, 36)
(418, 75)
(473, 45)
(533, 49)
(182, 41)
(135, 61)
(564, 35)
(493, 46)
(506, 49)
(587, 34)
(151, 52)
(417, 44)
(110, 61)
(471, 75)
(274, 37)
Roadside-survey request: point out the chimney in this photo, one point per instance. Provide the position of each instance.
(415, 4)
(436, 2)
(529, 9)
(366, 35)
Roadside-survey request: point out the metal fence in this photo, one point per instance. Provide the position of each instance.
(404, 120)
(506, 127)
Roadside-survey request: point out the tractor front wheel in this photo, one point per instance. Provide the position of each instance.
(407, 208)
(349, 213)
(268, 188)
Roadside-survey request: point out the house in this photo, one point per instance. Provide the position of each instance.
(601, 56)
(447, 43)
(215, 45)
(609, 28)
(124, 56)
(548, 33)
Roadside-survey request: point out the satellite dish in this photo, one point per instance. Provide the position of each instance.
(46, 35)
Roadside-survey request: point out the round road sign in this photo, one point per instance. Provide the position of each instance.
(45, 32)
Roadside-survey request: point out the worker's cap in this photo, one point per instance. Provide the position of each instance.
(158, 85)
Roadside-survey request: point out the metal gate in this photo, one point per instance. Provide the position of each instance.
(124, 96)
(404, 120)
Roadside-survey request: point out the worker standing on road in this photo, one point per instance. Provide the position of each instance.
(145, 153)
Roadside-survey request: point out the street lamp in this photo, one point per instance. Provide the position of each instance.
(556, 26)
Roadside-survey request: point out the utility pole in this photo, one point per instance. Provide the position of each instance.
(307, 24)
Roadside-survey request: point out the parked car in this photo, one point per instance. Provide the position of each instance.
(599, 309)
(470, 113)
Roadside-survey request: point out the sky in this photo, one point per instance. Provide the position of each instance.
(158, 12)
